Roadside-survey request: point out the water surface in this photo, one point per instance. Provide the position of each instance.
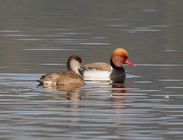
(38, 36)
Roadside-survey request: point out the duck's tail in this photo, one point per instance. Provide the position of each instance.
(40, 83)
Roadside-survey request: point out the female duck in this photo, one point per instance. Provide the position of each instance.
(71, 77)
(113, 72)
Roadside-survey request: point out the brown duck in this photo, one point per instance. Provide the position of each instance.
(72, 77)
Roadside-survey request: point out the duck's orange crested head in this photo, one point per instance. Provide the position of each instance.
(119, 57)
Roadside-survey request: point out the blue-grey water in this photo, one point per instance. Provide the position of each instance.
(37, 36)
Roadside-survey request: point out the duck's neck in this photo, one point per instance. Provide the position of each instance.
(118, 74)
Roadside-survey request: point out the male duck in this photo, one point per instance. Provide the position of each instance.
(113, 72)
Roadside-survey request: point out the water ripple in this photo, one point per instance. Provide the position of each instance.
(159, 65)
(52, 49)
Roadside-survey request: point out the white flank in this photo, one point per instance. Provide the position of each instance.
(96, 75)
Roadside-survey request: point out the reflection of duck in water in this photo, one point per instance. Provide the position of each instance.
(113, 72)
(64, 92)
(65, 80)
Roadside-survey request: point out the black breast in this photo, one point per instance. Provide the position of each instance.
(118, 75)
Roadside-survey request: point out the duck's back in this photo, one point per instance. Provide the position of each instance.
(61, 78)
(69, 77)
(99, 66)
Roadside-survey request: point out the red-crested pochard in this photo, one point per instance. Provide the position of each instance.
(73, 76)
(113, 72)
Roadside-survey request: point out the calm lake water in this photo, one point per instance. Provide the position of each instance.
(37, 36)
